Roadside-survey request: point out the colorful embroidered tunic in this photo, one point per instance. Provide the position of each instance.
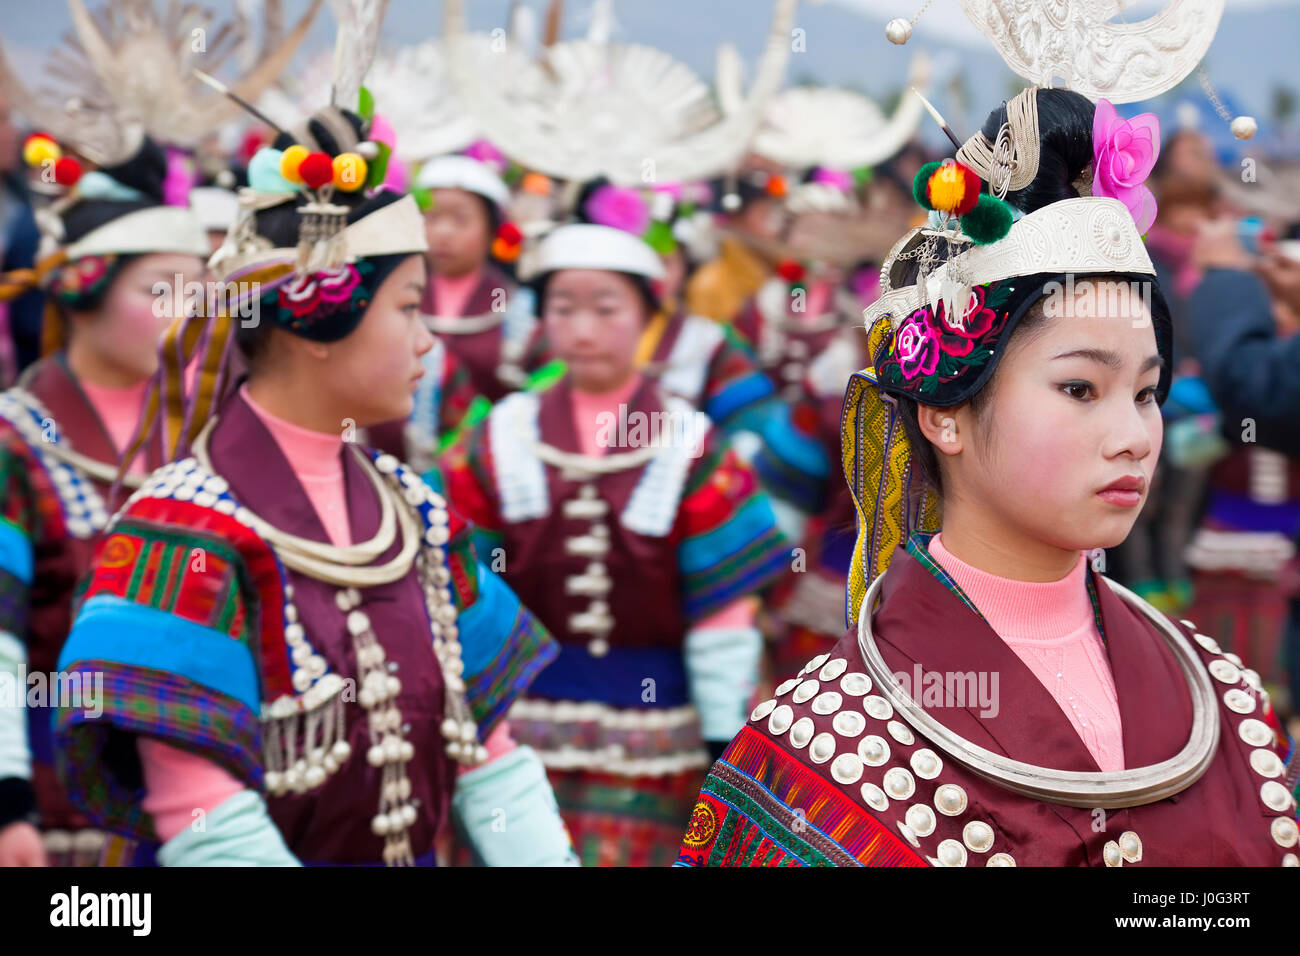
(828, 773)
(620, 562)
(209, 641)
(53, 513)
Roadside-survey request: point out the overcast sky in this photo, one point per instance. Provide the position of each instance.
(1253, 53)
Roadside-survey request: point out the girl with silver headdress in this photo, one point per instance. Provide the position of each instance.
(620, 516)
(997, 701)
(296, 635)
(110, 246)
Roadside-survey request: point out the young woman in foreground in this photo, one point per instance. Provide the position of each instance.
(300, 648)
(996, 701)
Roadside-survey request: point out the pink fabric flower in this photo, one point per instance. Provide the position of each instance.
(1124, 151)
(621, 208)
(917, 347)
(841, 180)
(487, 154)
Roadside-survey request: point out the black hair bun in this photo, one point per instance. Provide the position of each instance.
(1065, 147)
(330, 130)
(143, 172)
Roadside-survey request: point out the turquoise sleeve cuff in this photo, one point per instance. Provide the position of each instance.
(508, 812)
(238, 832)
(722, 670)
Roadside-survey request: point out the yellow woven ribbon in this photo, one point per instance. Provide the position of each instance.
(54, 336)
(891, 497)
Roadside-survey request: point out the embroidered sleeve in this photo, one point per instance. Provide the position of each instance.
(19, 528)
(729, 542)
(760, 806)
(179, 629)
(792, 462)
(737, 393)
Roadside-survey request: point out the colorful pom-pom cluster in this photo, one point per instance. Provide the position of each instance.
(953, 188)
(508, 243)
(41, 151)
(346, 172)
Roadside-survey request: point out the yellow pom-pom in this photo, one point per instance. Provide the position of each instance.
(291, 160)
(349, 172)
(38, 149)
(947, 188)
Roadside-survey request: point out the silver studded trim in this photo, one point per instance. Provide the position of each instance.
(1207, 642)
(899, 731)
(921, 819)
(849, 723)
(1130, 846)
(1266, 763)
(833, 669)
(978, 836)
(874, 750)
(801, 732)
(781, 719)
(1239, 701)
(1224, 671)
(926, 764)
(827, 702)
(878, 707)
(874, 797)
(1255, 732)
(899, 784)
(762, 710)
(847, 769)
(786, 686)
(1284, 831)
(805, 691)
(822, 748)
(855, 684)
(1275, 796)
(950, 800)
(951, 853)
(1001, 859)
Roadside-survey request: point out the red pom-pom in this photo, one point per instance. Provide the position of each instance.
(790, 270)
(67, 171)
(509, 234)
(316, 170)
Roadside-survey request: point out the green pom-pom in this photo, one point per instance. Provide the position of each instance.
(919, 192)
(423, 198)
(366, 105)
(378, 169)
(660, 238)
(862, 175)
(989, 221)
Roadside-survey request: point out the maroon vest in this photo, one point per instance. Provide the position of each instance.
(331, 824)
(480, 352)
(645, 598)
(1221, 820)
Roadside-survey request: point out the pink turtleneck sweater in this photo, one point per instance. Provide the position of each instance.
(453, 292)
(178, 782)
(317, 462)
(119, 410)
(1051, 628)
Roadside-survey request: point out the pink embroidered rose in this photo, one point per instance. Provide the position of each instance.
(306, 294)
(618, 207)
(1124, 151)
(916, 346)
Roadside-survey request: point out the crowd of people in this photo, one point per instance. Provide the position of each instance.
(490, 515)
